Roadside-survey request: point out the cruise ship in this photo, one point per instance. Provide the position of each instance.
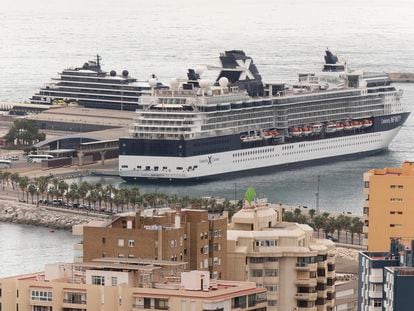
(92, 87)
(199, 129)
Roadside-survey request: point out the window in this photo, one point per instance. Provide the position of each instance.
(366, 184)
(114, 281)
(271, 288)
(270, 272)
(120, 242)
(98, 280)
(103, 240)
(257, 259)
(161, 304)
(256, 273)
(41, 295)
(131, 243)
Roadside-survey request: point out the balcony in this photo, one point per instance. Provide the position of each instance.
(144, 308)
(372, 308)
(322, 279)
(365, 229)
(375, 294)
(375, 278)
(306, 267)
(307, 308)
(322, 293)
(74, 301)
(322, 264)
(306, 282)
(306, 296)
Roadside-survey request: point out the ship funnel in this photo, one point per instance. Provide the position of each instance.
(241, 71)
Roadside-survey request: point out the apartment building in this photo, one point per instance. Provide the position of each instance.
(388, 212)
(297, 271)
(386, 279)
(126, 285)
(189, 235)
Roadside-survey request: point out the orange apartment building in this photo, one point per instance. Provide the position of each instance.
(188, 235)
(388, 206)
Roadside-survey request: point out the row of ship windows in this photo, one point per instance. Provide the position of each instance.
(252, 152)
(308, 150)
(338, 140)
(157, 168)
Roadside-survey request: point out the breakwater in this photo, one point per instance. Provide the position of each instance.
(22, 213)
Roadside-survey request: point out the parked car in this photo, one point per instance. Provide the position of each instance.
(332, 238)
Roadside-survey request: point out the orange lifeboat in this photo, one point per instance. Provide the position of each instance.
(366, 123)
(306, 131)
(296, 131)
(339, 126)
(356, 125)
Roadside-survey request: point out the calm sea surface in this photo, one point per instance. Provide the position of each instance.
(40, 38)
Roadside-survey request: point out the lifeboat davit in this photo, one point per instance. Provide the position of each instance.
(366, 123)
(306, 131)
(296, 131)
(330, 127)
(317, 128)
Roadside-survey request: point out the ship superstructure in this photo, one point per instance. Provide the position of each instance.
(197, 129)
(92, 87)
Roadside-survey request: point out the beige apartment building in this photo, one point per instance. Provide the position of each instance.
(388, 206)
(126, 285)
(297, 270)
(189, 235)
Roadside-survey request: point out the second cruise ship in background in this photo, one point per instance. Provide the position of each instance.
(92, 87)
(197, 129)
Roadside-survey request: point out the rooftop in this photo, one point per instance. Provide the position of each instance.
(407, 169)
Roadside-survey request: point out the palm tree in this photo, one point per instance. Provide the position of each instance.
(32, 190)
(356, 227)
(14, 179)
(43, 186)
(23, 183)
(312, 213)
(118, 200)
(92, 198)
(108, 196)
(52, 192)
(347, 225)
(330, 226)
(340, 224)
(99, 194)
(62, 188)
(5, 178)
(83, 190)
(319, 223)
(124, 193)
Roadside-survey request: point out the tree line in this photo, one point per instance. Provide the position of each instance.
(101, 197)
(327, 223)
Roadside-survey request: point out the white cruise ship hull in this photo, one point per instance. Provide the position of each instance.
(132, 167)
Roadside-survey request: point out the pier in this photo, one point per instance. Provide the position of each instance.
(401, 77)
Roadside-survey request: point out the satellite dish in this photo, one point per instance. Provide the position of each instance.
(223, 82)
(200, 69)
(152, 82)
(204, 83)
(174, 83)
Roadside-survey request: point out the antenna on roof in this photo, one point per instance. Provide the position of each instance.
(98, 61)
